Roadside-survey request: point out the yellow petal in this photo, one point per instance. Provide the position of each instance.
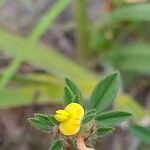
(61, 115)
(69, 127)
(75, 110)
(62, 112)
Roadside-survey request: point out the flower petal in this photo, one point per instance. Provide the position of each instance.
(75, 110)
(70, 127)
(61, 115)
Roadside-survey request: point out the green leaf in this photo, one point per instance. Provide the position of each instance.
(104, 131)
(104, 92)
(88, 116)
(24, 96)
(141, 132)
(57, 145)
(77, 98)
(68, 96)
(35, 88)
(45, 119)
(127, 103)
(72, 86)
(45, 22)
(44, 58)
(48, 19)
(111, 118)
(52, 118)
(89, 112)
(72, 92)
(39, 124)
(85, 104)
(132, 58)
(137, 12)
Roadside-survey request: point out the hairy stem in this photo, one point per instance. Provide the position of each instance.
(81, 144)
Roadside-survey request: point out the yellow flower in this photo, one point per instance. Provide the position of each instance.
(70, 118)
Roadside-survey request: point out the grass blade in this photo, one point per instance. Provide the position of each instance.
(41, 27)
(45, 58)
(137, 12)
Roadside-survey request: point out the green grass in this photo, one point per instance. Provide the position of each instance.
(45, 22)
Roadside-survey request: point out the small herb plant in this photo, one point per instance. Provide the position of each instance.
(82, 122)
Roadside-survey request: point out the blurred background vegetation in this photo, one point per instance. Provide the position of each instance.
(43, 41)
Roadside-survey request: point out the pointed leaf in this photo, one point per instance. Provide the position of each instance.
(85, 104)
(105, 92)
(92, 111)
(104, 131)
(72, 86)
(52, 118)
(142, 133)
(77, 98)
(40, 125)
(88, 116)
(44, 119)
(140, 12)
(68, 96)
(74, 90)
(112, 118)
(127, 103)
(57, 145)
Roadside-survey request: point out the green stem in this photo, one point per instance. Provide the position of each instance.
(10, 71)
(82, 30)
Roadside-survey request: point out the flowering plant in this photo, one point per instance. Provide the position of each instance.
(81, 122)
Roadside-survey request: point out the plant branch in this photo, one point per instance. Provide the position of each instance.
(81, 144)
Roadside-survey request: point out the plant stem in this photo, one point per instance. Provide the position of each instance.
(82, 30)
(80, 143)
